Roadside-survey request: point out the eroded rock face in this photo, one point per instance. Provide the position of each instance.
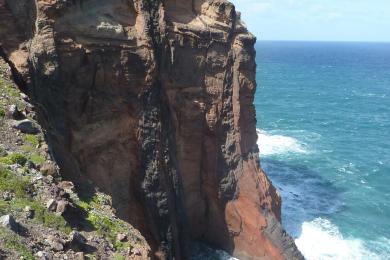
(153, 102)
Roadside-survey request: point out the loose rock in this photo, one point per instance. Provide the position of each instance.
(55, 243)
(29, 212)
(48, 168)
(51, 205)
(79, 256)
(30, 165)
(7, 196)
(13, 113)
(61, 206)
(121, 237)
(26, 126)
(9, 222)
(42, 255)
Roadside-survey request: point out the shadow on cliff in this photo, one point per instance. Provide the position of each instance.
(306, 195)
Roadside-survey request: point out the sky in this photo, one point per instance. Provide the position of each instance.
(317, 20)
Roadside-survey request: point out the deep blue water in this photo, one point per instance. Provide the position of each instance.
(323, 114)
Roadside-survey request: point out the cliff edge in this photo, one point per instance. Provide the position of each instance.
(153, 102)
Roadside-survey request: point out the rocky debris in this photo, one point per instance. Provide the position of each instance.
(55, 243)
(135, 251)
(25, 126)
(66, 186)
(41, 255)
(77, 241)
(77, 238)
(79, 256)
(8, 221)
(62, 206)
(30, 165)
(26, 191)
(13, 112)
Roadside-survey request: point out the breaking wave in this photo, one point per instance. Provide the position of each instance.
(322, 240)
(278, 144)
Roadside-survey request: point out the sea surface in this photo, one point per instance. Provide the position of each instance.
(323, 119)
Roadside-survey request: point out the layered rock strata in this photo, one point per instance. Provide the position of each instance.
(153, 102)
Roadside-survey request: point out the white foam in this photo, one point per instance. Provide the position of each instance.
(278, 144)
(225, 256)
(322, 240)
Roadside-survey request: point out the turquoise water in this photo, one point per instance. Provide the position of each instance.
(323, 115)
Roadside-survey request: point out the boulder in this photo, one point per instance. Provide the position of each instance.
(13, 112)
(48, 168)
(8, 221)
(26, 126)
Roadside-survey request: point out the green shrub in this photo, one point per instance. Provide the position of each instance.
(42, 215)
(118, 257)
(32, 139)
(108, 228)
(15, 243)
(37, 159)
(13, 183)
(14, 158)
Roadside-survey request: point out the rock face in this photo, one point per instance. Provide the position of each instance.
(152, 101)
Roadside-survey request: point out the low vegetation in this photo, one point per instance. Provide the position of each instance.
(10, 182)
(14, 158)
(13, 242)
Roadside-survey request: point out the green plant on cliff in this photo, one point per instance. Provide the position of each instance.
(32, 139)
(20, 186)
(11, 93)
(108, 228)
(13, 183)
(14, 158)
(29, 148)
(103, 225)
(118, 257)
(37, 159)
(41, 215)
(15, 243)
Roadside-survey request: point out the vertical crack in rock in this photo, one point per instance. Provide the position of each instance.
(153, 102)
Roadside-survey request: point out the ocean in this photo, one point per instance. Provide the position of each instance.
(323, 119)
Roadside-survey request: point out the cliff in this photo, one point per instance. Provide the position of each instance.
(152, 101)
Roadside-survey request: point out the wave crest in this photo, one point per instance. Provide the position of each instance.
(322, 240)
(278, 144)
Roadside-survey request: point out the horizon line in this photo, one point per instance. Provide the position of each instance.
(330, 41)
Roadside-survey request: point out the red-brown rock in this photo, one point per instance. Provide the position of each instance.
(153, 102)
